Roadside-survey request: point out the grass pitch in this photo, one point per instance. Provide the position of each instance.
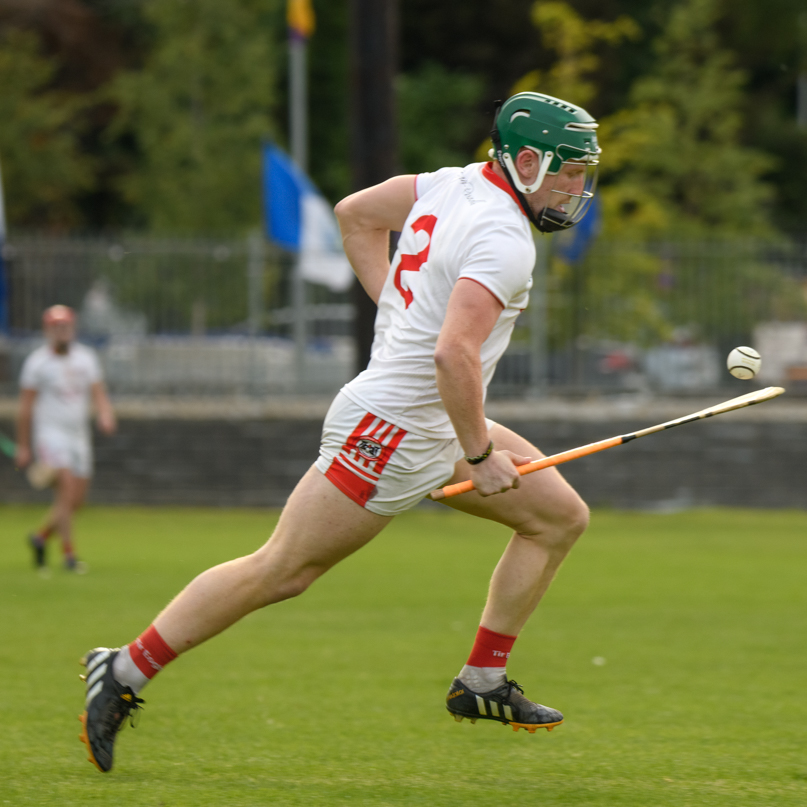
(675, 646)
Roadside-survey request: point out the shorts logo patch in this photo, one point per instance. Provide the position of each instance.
(359, 465)
(369, 449)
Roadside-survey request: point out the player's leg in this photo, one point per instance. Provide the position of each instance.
(51, 450)
(69, 494)
(547, 517)
(319, 526)
(37, 540)
(58, 520)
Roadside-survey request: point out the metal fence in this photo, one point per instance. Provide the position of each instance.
(181, 316)
(218, 317)
(661, 316)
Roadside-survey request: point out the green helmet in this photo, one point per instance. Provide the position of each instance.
(558, 132)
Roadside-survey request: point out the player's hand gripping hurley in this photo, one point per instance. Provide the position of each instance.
(592, 448)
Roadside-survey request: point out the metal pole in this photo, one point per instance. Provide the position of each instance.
(255, 283)
(298, 135)
(298, 102)
(255, 259)
(579, 353)
(539, 370)
(299, 327)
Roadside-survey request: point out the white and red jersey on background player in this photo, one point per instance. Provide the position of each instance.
(61, 417)
(465, 223)
(63, 383)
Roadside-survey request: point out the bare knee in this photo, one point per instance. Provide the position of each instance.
(577, 520)
(558, 531)
(289, 587)
(274, 582)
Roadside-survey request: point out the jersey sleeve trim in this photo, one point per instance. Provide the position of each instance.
(489, 290)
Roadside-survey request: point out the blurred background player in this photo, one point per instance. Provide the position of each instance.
(58, 384)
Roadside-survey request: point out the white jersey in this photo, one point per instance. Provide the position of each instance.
(63, 385)
(465, 223)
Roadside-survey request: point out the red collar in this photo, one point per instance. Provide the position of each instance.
(502, 184)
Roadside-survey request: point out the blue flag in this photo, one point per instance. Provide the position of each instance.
(299, 219)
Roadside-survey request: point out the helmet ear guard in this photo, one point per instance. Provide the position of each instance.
(545, 161)
(559, 133)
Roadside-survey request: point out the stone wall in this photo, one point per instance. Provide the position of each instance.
(251, 454)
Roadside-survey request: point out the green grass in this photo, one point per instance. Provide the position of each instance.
(337, 698)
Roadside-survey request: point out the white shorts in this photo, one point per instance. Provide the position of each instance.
(380, 466)
(63, 450)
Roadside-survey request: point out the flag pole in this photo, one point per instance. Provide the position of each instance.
(298, 98)
(300, 18)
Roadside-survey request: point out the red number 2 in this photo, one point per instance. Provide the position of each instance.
(412, 263)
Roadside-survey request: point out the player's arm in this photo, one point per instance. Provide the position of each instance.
(24, 417)
(471, 314)
(104, 413)
(366, 219)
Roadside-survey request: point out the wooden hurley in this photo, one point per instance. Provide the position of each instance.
(592, 448)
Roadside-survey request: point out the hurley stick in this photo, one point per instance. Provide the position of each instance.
(592, 448)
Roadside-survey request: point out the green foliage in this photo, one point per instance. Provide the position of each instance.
(198, 111)
(573, 40)
(674, 166)
(436, 106)
(328, 100)
(673, 160)
(726, 286)
(42, 167)
(645, 292)
(610, 296)
(574, 43)
(209, 279)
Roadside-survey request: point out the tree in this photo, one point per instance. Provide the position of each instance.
(435, 107)
(43, 169)
(197, 112)
(328, 99)
(573, 41)
(674, 162)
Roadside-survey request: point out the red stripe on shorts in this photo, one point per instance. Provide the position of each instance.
(354, 487)
(348, 480)
(389, 450)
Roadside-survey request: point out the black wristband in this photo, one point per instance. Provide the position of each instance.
(481, 457)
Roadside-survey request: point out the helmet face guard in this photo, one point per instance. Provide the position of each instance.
(551, 219)
(560, 134)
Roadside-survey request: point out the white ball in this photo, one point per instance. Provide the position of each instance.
(744, 362)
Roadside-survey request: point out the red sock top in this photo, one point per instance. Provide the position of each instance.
(490, 649)
(150, 653)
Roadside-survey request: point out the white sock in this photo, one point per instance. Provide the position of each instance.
(126, 672)
(482, 679)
